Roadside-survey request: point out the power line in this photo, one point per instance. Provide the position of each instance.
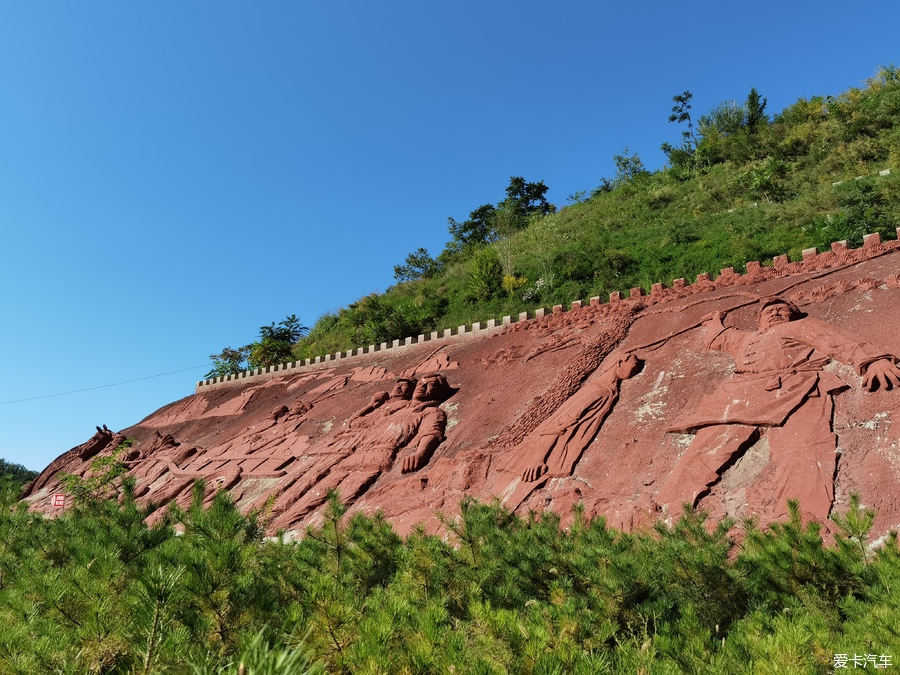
(102, 386)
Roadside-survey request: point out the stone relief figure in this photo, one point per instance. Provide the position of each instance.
(167, 471)
(779, 388)
(408, 423)
(554, 447)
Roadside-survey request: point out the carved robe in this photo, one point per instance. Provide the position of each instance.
(776, 371)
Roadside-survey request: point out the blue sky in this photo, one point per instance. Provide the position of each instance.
(175, 175)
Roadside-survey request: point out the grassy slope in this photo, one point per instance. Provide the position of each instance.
(741, 196)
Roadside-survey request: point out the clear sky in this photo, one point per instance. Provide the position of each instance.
(174, 175)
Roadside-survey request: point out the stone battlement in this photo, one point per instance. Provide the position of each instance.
(811, 260)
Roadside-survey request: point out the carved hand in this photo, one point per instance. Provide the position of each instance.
(534, 472)
(714, 316)
(882, 374)
(412, 462)
(423, 453)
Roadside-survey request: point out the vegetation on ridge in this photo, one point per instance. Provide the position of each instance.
(275, 345)
(17, 473)
(739, 186)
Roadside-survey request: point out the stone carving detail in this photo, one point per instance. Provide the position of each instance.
(407, 422)
(74, 461)
(546, 418)
(554, 447)
(591, 355)
(779, 388)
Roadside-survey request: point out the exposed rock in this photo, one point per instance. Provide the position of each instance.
(699, 394)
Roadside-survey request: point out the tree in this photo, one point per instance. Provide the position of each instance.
(527, 198)
(755, 109)
(229, 362)
(475, 231)
(419, 265)
(290, 330)
(486, 273)
(726, 118)
(628, 167)
(681, 112)
(523, 199)
(17, 473)
(274, 346)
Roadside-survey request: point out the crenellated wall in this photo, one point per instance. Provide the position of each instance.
(811, 260)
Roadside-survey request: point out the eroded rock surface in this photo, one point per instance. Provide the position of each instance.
(734, 395)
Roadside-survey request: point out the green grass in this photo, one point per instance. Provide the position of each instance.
(739, 198)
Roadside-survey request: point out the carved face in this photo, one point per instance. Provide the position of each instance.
(403, 389)
(773, 314)
(627, 367)
(431, 388)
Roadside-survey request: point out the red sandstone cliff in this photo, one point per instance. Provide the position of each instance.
(631, 407)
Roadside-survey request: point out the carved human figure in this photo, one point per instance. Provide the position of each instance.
(254, 456)
(408, 422)
(779, 388)
(317, 460)
(554, 447)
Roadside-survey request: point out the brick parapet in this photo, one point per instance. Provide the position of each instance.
(838, 255)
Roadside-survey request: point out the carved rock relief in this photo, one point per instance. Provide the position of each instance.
(550, 411)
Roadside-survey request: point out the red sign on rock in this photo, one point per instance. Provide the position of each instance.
(58, 500)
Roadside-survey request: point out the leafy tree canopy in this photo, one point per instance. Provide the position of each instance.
(274, 346)
(419, 265)
(522, 199)
(16, 472)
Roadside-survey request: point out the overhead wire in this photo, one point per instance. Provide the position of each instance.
(102, 386)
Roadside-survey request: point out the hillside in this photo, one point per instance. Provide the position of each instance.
(697, 472)
(743, 184)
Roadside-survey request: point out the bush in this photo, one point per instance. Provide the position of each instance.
(485, 273)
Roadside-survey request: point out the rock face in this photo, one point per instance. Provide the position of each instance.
(734, 395)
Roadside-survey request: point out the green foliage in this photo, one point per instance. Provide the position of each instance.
(99, 591)
(741, 185)
(275, 345)
(103, 480)
(485, 273)
(260, 657)
(725, 119)
(628, 168)
(472, 233)
(16, 473)
(681, 112)
(682, 156)
(764, 179)
(755, 110)
(863, 209)
(863, 206)
(512, 283)
(523, 199)
(229, 362)
(419, 265)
